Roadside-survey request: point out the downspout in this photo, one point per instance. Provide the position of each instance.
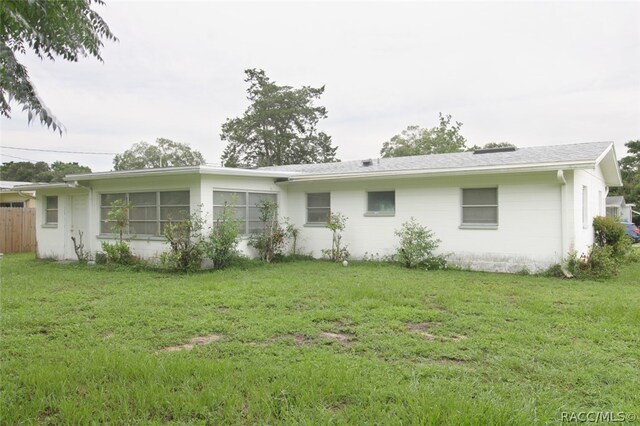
(563, 210)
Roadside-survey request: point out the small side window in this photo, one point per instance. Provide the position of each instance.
(51, 210)
(318, 207)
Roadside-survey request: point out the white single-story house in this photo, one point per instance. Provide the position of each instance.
(502, 209)
(618, 208)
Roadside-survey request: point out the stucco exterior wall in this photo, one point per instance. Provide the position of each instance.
(596, 193)
(528, 234)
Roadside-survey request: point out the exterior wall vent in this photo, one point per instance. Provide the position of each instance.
(494, 150)
(367, 163)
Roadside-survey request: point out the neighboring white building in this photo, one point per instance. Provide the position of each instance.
(500, 210)
(619, 209)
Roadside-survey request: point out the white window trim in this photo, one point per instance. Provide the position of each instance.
(306, 210)
(370, 213)
(47, 210)
(585, 207)
(245, 232)
(158, 234)
(488, 226)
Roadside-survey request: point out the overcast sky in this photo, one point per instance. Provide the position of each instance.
(527, 73)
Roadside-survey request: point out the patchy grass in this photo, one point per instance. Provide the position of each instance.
(312, 343)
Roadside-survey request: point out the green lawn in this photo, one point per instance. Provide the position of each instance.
(313, 343)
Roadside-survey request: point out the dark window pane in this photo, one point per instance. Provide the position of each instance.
(143, 228)
(255, 226)
(222, 197)
(52, 216)
(174, 198)
(381, 202)
(143, 213)
(255, 198)
(319, 200)
(52, 202)
(484, 215)
(317, 215)
(480, 197)
(107, 199)
(143, 199)
(174, 213)
(105, 227)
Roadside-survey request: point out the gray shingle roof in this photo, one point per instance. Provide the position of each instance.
(459, 160)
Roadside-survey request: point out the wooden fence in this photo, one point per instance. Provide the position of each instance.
(17, 229)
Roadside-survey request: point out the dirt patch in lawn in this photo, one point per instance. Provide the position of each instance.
(196, 341)
(423, 328)
(342, 338)
(451, 361)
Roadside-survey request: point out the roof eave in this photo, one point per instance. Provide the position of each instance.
(195, 170)
(528, 168)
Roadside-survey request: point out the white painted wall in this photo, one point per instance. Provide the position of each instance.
(596, 191)
(528, 234)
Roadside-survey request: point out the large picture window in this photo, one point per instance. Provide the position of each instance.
(480, 206)
(318, 207)
(149, 212)
(246, 206)
(381, 203)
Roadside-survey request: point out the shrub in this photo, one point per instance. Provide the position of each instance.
(119, 217)
(336, 224)
(119, 253)
(417, 244)
(599, 263)
(609, 232)
(220, 246)
(186, 248)
(271, 240)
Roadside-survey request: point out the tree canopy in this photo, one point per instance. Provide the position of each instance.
(278, 128)
(630, 170)
(24, 171)
(165, 153)
(415, 140)
(67, 29)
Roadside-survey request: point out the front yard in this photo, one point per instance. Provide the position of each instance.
(313, 343)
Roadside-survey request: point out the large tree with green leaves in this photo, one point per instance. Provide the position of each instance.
(415, 140)
(165, 153)
(630, 170)
(50, 28)
(24, 171)
(279, 127)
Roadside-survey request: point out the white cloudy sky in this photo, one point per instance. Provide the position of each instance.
(527, 73)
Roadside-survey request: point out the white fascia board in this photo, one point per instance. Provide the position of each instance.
(448, 172)
(195, 170)
(41, 186)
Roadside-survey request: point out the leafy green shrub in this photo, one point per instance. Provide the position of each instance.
(118, 253)
(186, 247)
(271, 240)
(220, 246)
(609, 232)
(417, 244)
(101, 258)
(336, 224)
(599, 264)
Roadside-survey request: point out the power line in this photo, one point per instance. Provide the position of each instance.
(63, 152)
(18, 158)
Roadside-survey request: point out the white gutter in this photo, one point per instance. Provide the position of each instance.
(39, 186)
(444, 172)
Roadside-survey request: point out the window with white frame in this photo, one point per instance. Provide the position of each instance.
(51, 210)
(246, 206)
(149, 212)
(318, 207)
(585, 207)
(480, 206)
(14, 204)
(381, 203)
